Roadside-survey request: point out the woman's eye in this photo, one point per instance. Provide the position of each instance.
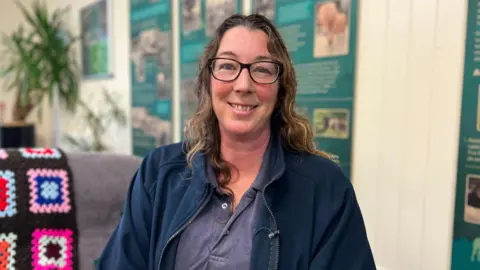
(262, 70)
(227, 66)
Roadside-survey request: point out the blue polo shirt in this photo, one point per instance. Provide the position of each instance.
(219, 238)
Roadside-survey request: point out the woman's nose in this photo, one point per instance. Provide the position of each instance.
(244, 81)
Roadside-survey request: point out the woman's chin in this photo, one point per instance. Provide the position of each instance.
(239, 130)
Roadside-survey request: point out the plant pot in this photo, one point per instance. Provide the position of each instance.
(17, 134)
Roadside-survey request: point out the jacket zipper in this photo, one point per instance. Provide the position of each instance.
(271, 235)
(275, 233)
(177, 232)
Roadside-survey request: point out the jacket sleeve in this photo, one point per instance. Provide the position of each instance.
(345, 244)
(128, 246)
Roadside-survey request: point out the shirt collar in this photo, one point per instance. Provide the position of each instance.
(263, 175)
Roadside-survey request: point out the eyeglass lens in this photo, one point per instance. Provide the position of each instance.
(228, 70)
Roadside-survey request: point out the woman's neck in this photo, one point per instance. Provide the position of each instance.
(245, 154)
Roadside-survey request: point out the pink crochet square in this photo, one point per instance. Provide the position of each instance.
(52, 249)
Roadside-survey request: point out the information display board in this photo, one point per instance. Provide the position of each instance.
(466, 231)
(151, 68)
(321, 39)
(198, 21)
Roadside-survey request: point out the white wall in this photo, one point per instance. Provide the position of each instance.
(409, 79)
(118, 138)
(10, 19)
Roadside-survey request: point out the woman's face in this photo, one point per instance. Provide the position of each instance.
(243, 107)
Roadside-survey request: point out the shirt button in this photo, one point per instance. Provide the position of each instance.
(224, 205)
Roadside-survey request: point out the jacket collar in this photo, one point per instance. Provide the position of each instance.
(277, 157)
(276, 161)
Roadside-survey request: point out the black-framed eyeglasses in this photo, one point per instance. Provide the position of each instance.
(227, 70)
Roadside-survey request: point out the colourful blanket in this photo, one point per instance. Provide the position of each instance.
(38, 228)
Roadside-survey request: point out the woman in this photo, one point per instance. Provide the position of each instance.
(247, 190)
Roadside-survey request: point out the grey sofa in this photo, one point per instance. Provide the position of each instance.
(101, 184)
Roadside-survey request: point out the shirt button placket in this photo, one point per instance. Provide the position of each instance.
(224, 205)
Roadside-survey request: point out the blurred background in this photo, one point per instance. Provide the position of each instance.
(390, 87)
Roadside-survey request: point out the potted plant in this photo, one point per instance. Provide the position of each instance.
(38, 62)
(95, 124)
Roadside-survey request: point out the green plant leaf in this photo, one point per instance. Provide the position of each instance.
(29, 18)
(36, 56)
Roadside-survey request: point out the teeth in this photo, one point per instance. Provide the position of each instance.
(242, 107)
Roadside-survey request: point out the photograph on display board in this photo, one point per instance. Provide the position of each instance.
(265, 8)
(150, 43)
(152, 125)
(192, 15)
(331, 123)
(332, 28)
(472, 199)
(217, 12)
(475, 255)
(96, 42)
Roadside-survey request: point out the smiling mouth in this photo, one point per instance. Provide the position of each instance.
(245, 108)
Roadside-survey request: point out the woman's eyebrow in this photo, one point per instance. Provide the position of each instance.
(263, 57)
(234, 55)
(227, 53)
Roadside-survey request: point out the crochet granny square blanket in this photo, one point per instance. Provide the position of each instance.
(38, 227)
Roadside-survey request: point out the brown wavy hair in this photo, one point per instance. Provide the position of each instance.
(202, 132)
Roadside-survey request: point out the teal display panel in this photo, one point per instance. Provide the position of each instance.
(466, 229)
(151, 73)
(321, 39)
(198, 21)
